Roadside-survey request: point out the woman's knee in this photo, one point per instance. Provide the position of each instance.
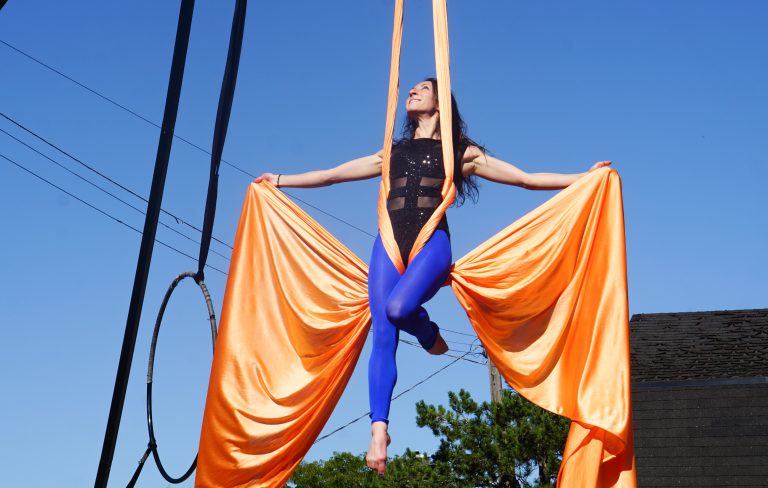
(399, 311)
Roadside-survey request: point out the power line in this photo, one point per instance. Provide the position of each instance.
(430, 376)
(103, 212)
(186, 141)
(99, 173)
(109, 100)
(105, 190)
(471, 352)
(443, 329)
(81, 85)
(339, 429)
(458, 343)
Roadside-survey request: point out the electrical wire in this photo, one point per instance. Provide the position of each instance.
(186, 141)
(458, 343)
(471, 352)
(103, 212)
(339, 429)
(104, 190)
(108, 99)
(99, 173)
(442, 329)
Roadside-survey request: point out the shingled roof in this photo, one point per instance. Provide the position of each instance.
(699, 345)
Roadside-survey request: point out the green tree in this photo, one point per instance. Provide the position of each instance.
(481, 445)
(342, 469)
(496, 444)
(411, 470)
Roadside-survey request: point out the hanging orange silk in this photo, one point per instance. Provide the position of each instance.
(448, 191)
(294, 320)
(547, 297)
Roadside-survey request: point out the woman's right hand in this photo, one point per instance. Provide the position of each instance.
(271, 178)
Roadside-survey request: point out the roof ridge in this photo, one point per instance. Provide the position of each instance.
(705, 312)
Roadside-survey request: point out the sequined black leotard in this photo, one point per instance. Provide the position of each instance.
(416, 176)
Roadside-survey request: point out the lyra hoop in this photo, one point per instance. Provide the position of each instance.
(150, 368)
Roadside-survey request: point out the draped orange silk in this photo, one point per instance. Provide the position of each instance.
(547, 297)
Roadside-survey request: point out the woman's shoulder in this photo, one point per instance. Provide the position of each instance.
(472, 152)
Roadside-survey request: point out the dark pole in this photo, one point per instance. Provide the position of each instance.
(147, 241)
(223, 112)
(495, 377)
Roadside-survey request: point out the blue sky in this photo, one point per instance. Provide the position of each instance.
(672, 92)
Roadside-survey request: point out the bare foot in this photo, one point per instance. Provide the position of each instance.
(376, 459)
(440, 347)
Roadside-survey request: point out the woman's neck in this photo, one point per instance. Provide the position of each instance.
(427, 127)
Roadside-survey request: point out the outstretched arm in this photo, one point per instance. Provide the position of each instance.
(357, 169)
(478, 163)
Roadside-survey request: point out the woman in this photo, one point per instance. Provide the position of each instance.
(416, 176)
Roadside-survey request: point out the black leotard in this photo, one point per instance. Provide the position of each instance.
(416, 176)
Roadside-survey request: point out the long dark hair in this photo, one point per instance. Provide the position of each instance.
(465, 187)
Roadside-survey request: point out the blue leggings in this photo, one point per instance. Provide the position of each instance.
(395, 303)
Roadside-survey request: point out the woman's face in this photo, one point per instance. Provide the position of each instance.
(421, 99)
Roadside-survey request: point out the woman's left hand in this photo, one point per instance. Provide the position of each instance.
(600, 164)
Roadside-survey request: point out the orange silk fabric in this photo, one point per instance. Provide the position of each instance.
(448, 190)
(547, 297)
(294, 320)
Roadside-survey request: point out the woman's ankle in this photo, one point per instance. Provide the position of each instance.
(379, 427)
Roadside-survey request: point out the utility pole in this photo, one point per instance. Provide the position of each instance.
(147, 241)
(495, 378)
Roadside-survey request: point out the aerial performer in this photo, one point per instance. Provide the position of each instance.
(547, 297)
(416, 176)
